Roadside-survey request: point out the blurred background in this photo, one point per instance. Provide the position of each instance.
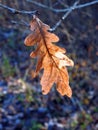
(22, 105)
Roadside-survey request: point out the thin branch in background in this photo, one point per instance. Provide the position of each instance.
(63, 4)
(56, 3)
(87, 4)
(38, 4)
(64, 16)
(65, 9)
(15, 11)
(22, 22)
(80, 105)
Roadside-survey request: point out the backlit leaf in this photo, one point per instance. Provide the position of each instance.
(50, 57)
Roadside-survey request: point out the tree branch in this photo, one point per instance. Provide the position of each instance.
(64, 16)
(23, 23)
(47, 7)
(66, 9)
(15, 11)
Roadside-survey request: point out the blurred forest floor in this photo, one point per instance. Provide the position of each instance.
(22, 105)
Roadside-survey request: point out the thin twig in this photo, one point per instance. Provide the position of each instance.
(64, 16)
(67, 11)
(15, 11)
(39, 4)
(80, 106)
(63, 10)
(47, 7)
(20, 23)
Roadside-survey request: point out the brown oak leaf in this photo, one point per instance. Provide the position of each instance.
(50, 57)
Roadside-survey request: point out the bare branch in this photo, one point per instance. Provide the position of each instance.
(15, 11)
(40, 5)
(64, 16)
(66, 9)
(23, 23)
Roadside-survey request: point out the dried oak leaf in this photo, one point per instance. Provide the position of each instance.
(50, 57)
